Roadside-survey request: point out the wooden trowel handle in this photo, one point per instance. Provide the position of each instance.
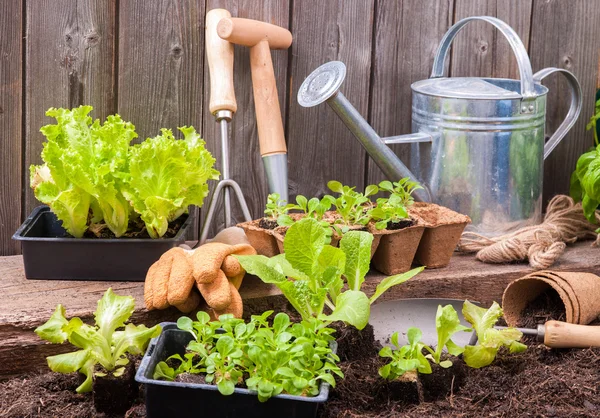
(564, 335)
(219, 53)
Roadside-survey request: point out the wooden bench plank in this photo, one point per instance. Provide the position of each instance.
(25, 304)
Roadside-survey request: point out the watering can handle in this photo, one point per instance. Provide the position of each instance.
(574, 108)
(525, 71)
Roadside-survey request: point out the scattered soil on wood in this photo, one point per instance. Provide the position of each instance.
(538, 382)
(548, 305)
(268, 223)
(136, 229)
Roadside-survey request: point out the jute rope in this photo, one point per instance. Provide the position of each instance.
(541, 244)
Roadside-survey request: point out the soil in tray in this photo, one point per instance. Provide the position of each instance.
(394, 226)
(136, 229)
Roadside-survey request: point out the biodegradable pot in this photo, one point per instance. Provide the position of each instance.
(443, 228)
(181, 400)
(579, 292)
(397, 248)
(50, 253)
(261, 239)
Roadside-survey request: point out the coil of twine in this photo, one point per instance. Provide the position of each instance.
(541, 244)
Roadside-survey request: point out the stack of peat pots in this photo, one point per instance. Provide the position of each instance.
(428, 238)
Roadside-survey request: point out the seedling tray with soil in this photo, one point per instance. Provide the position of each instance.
(50, 253)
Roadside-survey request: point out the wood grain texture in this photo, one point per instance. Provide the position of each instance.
(26, 304)
(11, 88)
(246, 166)
(70, 60)
(566, 37)
(406, 38)
(480, 50)
(161, 49)
(320, 147)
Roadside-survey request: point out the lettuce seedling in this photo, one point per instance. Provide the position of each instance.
(388, 210)
(275, 207)
(401, 190)
(274, 359)
(585, 183)
(84, 163)
(351, 205)
(309, 273)
(313, 208)
(490, 340)
(101, 344)
(166, 175)
(446, 324)
(407, 358)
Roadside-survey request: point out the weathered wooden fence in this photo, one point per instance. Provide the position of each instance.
(145, 59)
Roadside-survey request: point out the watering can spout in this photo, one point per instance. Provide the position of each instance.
(322, 85)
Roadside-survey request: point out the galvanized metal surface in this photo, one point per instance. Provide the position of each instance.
(478, 144)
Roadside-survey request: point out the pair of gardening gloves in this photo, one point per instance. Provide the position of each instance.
(210, 268)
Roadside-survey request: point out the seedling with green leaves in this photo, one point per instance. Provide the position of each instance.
(407, 358)
(490, 339)
(309, 274)
(313, 208)
(276, 207)
(446, 325)
(402, 189)
(101, 344)
(278, 358)
(351, 205)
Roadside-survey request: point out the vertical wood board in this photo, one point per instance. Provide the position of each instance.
(69, 61)
(320, 147)
(406, 39)
(11, 35)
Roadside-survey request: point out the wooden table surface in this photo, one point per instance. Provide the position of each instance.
(25, 304)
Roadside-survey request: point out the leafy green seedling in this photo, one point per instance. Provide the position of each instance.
(489, 339)
(100, 344)
(309, 273)
(351, 205)
(388, 210)
(278, 358)
(446, 324)
(276, 207)
(407, 358)
(585, 183)
(402, 190)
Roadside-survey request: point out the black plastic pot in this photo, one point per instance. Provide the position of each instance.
(181, 400)
(49, 253)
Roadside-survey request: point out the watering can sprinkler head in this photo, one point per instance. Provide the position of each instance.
(323, 85)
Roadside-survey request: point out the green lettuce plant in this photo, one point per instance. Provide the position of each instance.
(275, 207)
(402, 190)
(107, 343)
(490, 340)
(352, 206)
(585, 183)
(446, 325)
(407, 358)
(276, 358)
(309, 274)
(84, 165)
(166, 175)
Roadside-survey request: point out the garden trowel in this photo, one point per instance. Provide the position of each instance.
(398, 315)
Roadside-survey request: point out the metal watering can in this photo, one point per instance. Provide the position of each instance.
(478, 144)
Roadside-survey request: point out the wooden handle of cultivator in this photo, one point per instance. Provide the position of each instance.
(261, 37)
(564, 335)
(219, 54)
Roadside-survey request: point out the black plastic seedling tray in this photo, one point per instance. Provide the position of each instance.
(182, 400)
(49, 253)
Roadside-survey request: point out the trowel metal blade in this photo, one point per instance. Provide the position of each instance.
(398, 315)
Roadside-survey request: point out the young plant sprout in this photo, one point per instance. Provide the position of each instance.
(407, 358)
(309, 274)
(101, 344)
(446, 324)
(403, 190)
(313, 208)
(394, 208)
(278, 358)
(351, 205)
(490, 339)
(276, 207)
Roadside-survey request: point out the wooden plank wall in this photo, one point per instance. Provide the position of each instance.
(146, 61)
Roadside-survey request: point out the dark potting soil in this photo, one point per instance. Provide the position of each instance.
(136, 229)
(538, 382)
(268, 223)
(354, 344)
(441, 382)
(394, 226)
(545, 307)
(115, 395)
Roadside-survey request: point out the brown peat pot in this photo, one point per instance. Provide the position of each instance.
(397, 248)
(443, 228)
(263, 240)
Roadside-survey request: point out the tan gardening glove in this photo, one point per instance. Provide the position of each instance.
(210, 268)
